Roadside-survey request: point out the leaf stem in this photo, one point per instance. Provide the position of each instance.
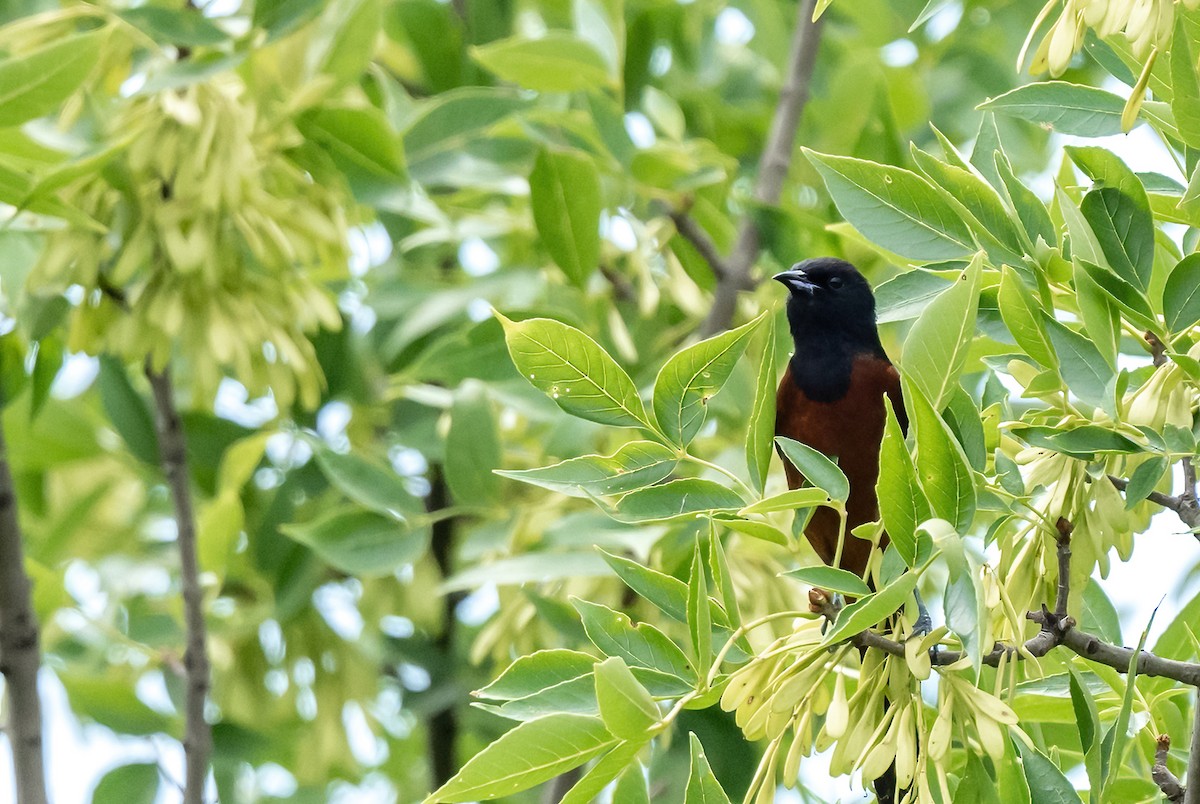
(745, 490)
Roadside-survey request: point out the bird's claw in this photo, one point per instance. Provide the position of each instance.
(924, 623)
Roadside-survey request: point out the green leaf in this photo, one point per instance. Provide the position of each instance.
(1112, 751)
(1181, 295)
(760, 429)
(1067, 108)
(788, 501)
(537, 671)
(361, 142)
(905, 295)
(665, 591)
(869, 611)
(937, 345)
(529, 754)
(641, 646)
(1098, 310)
(366, 482)
(1047, 784)
(634, 465)
(1144, 479)
(574, 371)
(702, 785)
(987, 214)
(170, 26)
(1082, 442)
(359, 542)
(601, 774)
(532, 567)
(1124, 231)
(557, 62)
(902, 502)
(627, 709)
(1126, 295)
(679, 499)
(756, 530)
(1081, 365)
(34, 84)
(631, 787)
(453, 120)
(894, 207)
(1087, 718)
(473, 448)
(127, 410)
(723, 579)
(111, 701)
(832, 579)
(942, 467)
(1022, 314)
(817, 468)
(1185, 89)
(344, 44)
(564, 193)
(699, 614)
(1032, 213)
(693, 376)
(1098, 615)
(128, 784)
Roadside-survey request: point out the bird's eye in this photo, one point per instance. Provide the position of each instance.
(835, 282)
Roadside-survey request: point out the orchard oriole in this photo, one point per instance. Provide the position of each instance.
(831, 396)
(832, 399)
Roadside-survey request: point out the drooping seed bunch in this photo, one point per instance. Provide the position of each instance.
(216, 243)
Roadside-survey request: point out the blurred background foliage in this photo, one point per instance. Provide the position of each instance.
(364, 567)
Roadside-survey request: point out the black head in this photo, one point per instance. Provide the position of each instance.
(831, 313)
(829, 296)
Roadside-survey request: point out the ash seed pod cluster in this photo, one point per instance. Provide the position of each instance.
(218, 248)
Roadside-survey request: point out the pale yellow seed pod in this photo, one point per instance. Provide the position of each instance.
(879, 758)
(906, 747)
(991, 737)
(942, 731)
(917, 657)
(991, 706)
(1062, 43)
(744, 684)
(838, 716)
(791, 763)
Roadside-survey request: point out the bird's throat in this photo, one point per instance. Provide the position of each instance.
(822, 370)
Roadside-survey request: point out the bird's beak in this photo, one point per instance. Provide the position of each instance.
(795, 280)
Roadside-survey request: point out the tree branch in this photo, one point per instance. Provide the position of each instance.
(1057, 628)
(1184, 505)
(19, 655)
(172, 450)
(443, 724)
(1167, 782)
(694, 233)
(1192, 795)
(772, 169)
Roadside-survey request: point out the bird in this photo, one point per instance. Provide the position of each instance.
(831, 396)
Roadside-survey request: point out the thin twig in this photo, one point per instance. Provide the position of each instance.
(172, 450)
(1167, 782)
(1192, 795)
(772, 168)
(1158, 350)
(19, 654)
(694, 233)
(1162, 776)
(1185, 505)
(1057, 628)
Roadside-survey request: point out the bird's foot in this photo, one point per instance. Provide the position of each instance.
(924, 623)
